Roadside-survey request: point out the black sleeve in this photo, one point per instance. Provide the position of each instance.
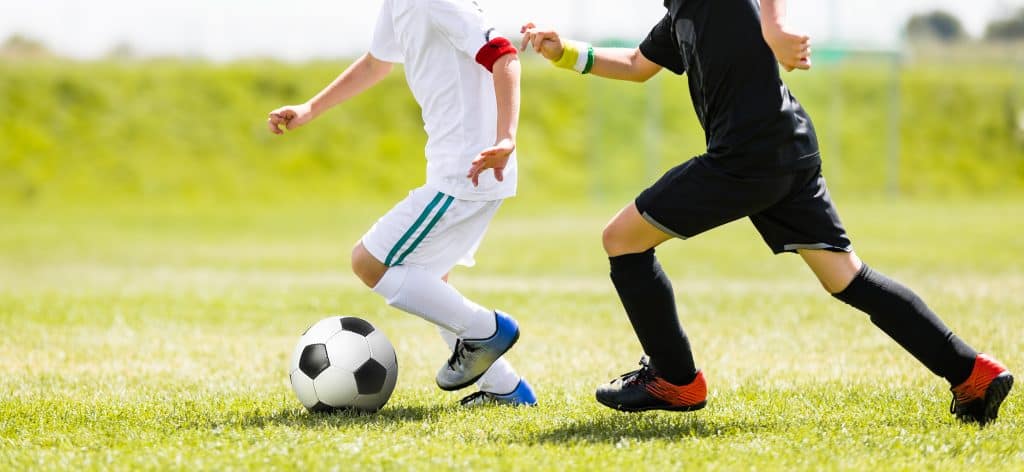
(662, 48)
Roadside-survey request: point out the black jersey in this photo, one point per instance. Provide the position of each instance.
(752, 123)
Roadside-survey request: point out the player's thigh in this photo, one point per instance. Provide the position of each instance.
(696, 197)
(405, 227)
(367, 267)
(431, 230)
(456, 238)
(806, 219)
(629, 233)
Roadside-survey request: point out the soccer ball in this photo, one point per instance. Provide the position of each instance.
(343, 363)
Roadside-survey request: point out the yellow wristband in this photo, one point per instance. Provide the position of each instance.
(570, 56)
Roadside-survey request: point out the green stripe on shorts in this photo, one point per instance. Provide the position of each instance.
(429, 227)
(408, 234)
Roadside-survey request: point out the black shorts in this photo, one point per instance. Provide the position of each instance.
(791, 211)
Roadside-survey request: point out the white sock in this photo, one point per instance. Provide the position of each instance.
(501, 378)
(420, 293)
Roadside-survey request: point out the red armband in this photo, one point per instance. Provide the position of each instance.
(494, 50)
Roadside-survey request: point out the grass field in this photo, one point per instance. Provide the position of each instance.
(156, 337)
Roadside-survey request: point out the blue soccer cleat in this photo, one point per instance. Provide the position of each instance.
(522, 396)
(472, 357)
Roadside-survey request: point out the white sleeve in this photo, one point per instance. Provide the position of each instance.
(385, 44)
(463, 23)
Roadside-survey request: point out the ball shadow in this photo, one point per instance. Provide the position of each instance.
(300, 418)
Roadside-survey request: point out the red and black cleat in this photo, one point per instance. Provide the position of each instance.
(643, 390)
(977, 400)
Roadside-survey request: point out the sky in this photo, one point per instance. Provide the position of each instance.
(307, 29)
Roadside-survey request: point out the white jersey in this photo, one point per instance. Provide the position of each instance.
(438, 41)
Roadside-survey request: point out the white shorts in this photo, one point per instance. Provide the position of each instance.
(431, 230)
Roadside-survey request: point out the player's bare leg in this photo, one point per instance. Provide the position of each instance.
(835, 270)
(366, 267)
(629, 233)
(979, 382)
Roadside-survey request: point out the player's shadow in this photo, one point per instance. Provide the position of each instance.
(619, 427)
(299, 418)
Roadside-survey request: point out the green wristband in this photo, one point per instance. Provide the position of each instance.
(590, 59)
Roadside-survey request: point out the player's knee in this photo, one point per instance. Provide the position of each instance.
(837, 283)
(367, 267)
(834, 282)
(834, 270)
(830, 288)
(613, 240)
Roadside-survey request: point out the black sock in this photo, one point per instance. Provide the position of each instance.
(906, 319)
(646, 294)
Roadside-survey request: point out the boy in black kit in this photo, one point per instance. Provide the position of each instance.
(762, 162)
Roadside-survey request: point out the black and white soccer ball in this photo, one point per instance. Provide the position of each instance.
(343, 363)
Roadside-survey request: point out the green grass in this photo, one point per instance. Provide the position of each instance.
(156, 337)
(171, 130)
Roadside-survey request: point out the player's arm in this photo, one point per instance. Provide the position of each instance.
(366, 72)
(506, 71)
(612, 63)
(792, 50)
(623, 64)
(464, 25)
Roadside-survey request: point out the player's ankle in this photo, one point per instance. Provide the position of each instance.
(675, 376)
(482, 328)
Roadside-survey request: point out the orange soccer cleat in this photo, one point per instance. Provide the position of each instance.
(643, 390)
(977, 400)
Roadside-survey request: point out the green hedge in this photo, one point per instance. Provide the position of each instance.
(156, 130)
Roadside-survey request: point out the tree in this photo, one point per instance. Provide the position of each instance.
(937, 25)
(1008, 29)
(22, 46)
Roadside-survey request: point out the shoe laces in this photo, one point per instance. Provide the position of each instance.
(961, 398)
(475, 397)
(459, 353)
(642, 375)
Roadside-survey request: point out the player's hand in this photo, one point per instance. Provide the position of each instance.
(545, 41)
(495, 157)
(290, 117)
(793, 51)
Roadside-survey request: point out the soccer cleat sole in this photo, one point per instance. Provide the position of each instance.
(452, 388)
(994, 396)
(680, 409)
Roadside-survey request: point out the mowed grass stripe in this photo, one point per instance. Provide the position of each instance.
(85, 279)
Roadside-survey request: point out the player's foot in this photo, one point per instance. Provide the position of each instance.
(977, 400)
(522, 396)
(472, 357)
(643, 390)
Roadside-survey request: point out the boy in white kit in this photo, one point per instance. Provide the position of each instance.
(466, 79)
